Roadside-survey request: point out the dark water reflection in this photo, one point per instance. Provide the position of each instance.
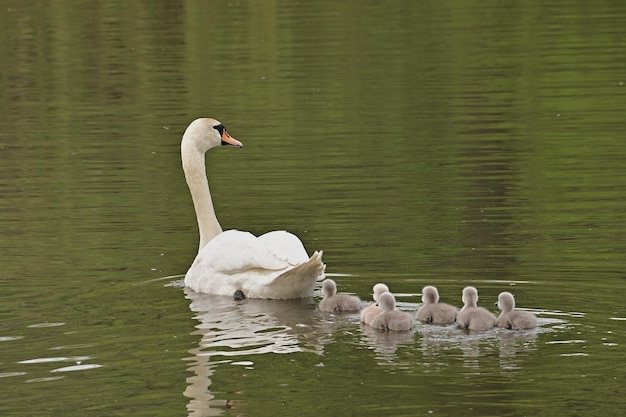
(443, 143)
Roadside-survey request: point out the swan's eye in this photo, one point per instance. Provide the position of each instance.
(220, 128)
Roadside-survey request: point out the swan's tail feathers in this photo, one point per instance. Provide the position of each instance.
(321, 271)
(299, 282)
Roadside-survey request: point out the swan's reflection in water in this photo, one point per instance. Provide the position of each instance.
(229, 329)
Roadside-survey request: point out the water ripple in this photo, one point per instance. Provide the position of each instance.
(41, 325)
(9, 374)
(10, 338)
(57, 359)
(77, 368)
(45, 379)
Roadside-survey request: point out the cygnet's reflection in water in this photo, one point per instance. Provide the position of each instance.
(229, 329)
(441, 343)
(512, 343)
(386, 343)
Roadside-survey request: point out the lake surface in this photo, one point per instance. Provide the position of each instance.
(417, 143)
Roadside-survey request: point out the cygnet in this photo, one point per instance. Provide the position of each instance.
(434, 312)
(471, 316)
(369, 313)
(335, 303)
(390, 318)
(510, 318)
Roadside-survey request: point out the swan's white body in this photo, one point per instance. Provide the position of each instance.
(274, 265)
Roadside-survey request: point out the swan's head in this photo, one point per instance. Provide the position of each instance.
(470, 296)
(329, 288)
(387, 301)
(506, 301)
(378, 290)
(207, 133)
(430, 295)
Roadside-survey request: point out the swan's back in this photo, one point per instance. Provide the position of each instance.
(290, 282)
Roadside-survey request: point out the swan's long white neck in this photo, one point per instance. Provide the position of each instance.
(195, 174)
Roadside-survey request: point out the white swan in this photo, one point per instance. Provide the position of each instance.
(434, 312)
(273, 265)
(369, 313)
(513, 319)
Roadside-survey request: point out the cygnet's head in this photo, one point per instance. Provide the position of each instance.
(329, 288)
(387, 301)
(379, 289)
(506, 301)
(430, 295)
(206, 133)
(470, 296)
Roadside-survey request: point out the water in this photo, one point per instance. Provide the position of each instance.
(445, 143)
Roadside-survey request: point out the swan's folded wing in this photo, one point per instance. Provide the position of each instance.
(234, 251)
(287, 244)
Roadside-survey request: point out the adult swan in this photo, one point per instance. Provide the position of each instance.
(273, 265)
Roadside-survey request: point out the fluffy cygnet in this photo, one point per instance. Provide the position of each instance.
(335, 303)
(390, 318)
(434, 312)
(513, 319)
(471, 316)
(369, 313)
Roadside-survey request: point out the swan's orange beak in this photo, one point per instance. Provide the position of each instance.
(229, 140)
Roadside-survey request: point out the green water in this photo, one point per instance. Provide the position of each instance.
(448, 143)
